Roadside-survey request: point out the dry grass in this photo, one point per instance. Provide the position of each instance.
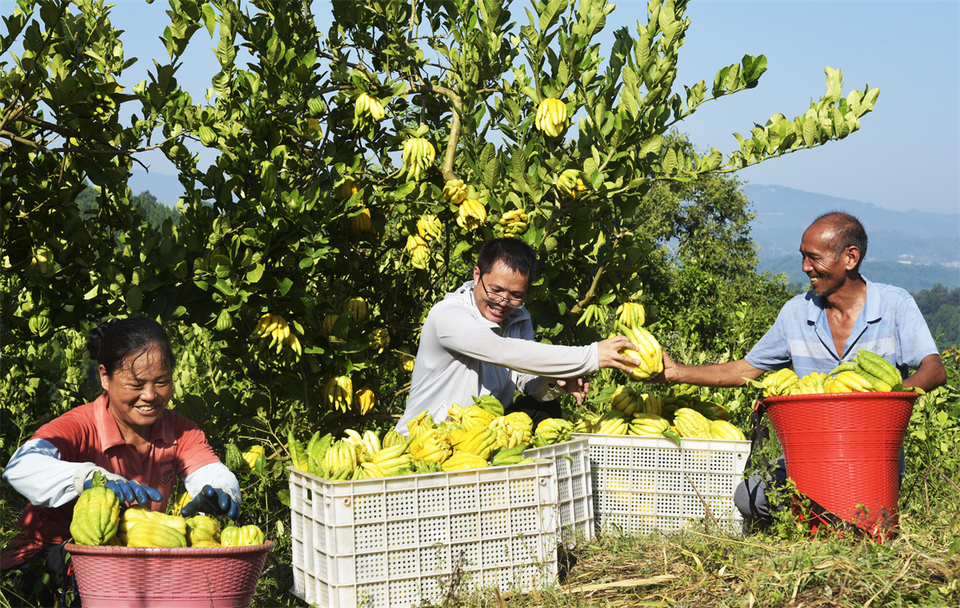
(699, 570)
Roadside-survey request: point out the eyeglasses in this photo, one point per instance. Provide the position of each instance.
(497, 298)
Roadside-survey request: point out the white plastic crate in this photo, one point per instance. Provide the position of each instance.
(647, 484)
(575, 508)
(396, 541)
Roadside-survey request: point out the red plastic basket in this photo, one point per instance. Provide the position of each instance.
(209, 577)
(843, 450)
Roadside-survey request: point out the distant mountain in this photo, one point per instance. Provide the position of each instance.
(912, 277)
(912, 249)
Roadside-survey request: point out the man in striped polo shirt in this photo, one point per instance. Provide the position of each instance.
(841, 314)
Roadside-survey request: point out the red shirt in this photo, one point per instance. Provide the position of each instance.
(89, 434)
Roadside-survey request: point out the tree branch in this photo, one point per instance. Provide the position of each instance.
(457, 103)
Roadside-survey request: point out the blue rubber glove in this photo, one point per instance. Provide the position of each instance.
(212, 501)
(129, 492)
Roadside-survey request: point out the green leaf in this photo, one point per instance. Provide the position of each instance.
(255, 274)
(490, 165)
(834, 84)
(209, 18)
(134, 298)
(550, 15)
(284, 286)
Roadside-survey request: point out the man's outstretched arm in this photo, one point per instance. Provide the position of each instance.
(731, 373)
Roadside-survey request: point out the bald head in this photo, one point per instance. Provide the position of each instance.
(841, 230)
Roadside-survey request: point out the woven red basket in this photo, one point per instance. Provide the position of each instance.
(843, 450)
(209, 577)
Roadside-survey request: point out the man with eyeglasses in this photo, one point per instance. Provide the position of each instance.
(479, 340)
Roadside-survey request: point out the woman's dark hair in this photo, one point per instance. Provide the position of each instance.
(515, 255)
(113, 342)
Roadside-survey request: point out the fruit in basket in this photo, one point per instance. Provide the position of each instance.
(462, 460)
(96, 517)
(138, 513)
(779, 382)
(582, 425)
(653, 404)
(394, 460)
(203, 531)
(490, 404)
(847, 382)
(340, 460)
(514, 422)
(626, 400)
(691, 423)
(241, 536)
(551, 431)
(392, 438)
(421, 423)
(506, 438)
(432, 444)
(649, 352)
(506, 456)
(181, 502)
(479, 441)
(475, 416)
(879, 367)
(721, 429)
(648, 424)
(613, 422)
(150, 534)
(812, 383)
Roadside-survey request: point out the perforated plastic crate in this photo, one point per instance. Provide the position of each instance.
(647, 484)
(575, 507)
(398, 541)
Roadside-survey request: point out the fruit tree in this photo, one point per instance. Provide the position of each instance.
(354, 175)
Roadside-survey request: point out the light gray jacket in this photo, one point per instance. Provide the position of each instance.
(462, 355)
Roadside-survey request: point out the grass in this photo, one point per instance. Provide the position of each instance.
(779, 567)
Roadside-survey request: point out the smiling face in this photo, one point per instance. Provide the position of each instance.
(138, 390)
(499, 282)
(828, 271)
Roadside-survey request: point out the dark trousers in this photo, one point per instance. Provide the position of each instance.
(537, 410)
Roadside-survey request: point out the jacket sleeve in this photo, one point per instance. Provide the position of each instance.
(37, 473)
(458, 332)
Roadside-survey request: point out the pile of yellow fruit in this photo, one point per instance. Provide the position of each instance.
(680, 414)
(866, 372)
(471, 437)
(98, 520)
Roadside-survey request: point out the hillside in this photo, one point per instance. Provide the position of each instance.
(918, 237)
(912, 277)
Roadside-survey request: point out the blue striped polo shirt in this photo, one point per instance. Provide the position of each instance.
(890, 325)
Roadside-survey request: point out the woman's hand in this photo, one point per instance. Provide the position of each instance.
(129, 492)
(212, 501)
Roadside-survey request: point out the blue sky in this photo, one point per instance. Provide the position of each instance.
(906, 155)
